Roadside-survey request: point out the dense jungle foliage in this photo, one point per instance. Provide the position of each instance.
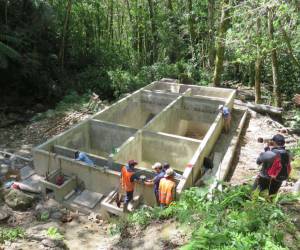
(48, 48)
(234, 218)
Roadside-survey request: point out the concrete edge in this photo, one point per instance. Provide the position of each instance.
(225, 165)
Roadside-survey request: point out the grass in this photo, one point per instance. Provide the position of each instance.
(11, 234)
(236, 218)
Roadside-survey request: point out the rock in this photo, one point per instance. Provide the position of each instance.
(3, 215)
(296, 188)
(18, 200)
(56, 215)
(53, 244)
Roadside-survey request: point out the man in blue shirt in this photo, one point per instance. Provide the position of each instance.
(80, 156)
(226, 117)
(159, 174)
(166, 166)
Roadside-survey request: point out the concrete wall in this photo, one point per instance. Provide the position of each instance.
(162, 148)
(130, 150)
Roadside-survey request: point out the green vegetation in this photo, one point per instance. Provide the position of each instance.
(70, 103)
(295, 173)
(11, 234)
(235, 218)
(54, 233)
(49, 48)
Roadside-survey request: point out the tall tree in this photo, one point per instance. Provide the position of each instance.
(220, 44)
(276, 90)
(211, 33)
(154, 35)
(61, 56)
(258, 66)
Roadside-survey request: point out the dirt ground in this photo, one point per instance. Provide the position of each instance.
(245, 168)
(86, 233)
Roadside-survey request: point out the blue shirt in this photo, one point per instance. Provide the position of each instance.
(226, 112)
(84, 158)
(176, 175)
(156, 180)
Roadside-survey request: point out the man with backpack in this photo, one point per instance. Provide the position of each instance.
(276, 166)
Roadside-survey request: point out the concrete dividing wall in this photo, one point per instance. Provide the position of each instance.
(170, 86)
(77, 135)
(130, 150)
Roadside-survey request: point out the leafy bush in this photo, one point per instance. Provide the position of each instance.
(11, 234)
(235, 218)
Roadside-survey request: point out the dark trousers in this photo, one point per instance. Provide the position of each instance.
(128, 197)
(156, 192)
(267, 183)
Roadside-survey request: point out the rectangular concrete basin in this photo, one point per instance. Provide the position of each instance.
(95, 137)
(148, 148)
(189, 117)
(138, 111)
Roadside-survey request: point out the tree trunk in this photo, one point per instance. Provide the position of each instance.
(224, 23)
(5, 11)
(134, 32)
(211, 28)
(191, 22)
(173, 46)
(258, 66)
(154, 40)
(276, 91)
(290, 49)
(111, 23)
(61, 57)
(251, 81)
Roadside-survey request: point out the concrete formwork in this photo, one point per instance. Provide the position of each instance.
(164, 121)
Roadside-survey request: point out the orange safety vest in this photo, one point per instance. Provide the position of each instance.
(166, 191)
(127, 185)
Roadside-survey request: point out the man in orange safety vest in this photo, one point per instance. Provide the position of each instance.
(167, 188)
(127, 181)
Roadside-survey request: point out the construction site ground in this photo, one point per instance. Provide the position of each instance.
(92, 232)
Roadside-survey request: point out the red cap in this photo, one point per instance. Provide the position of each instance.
(132, 162)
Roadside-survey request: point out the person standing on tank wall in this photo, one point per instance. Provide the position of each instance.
(226, 117)
(276, 167)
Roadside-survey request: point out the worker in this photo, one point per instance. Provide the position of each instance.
(166, 166)
(128, 178)
(81, 156)
(276, 166)
(226, 117)
(167, 188)
(159, 174)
